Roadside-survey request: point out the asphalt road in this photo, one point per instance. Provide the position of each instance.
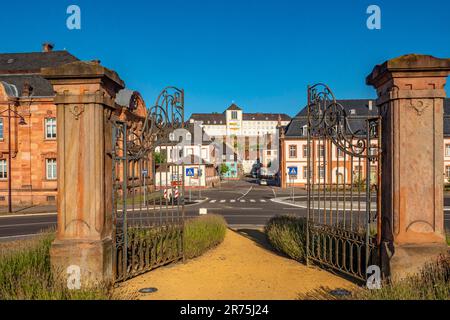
(242, 203)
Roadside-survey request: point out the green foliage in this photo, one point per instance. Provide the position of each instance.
(431, 283)
(159, 157)
(25, 274)
(202, 234)
(287, 234)
(223, 169)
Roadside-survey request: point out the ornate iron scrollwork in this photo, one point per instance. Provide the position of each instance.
(328, 117)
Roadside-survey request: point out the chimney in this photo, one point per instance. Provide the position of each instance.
(47, 47)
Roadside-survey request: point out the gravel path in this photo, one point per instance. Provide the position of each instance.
(240, 268)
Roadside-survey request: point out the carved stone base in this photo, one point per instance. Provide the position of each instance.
(409, 259)
(94, 259)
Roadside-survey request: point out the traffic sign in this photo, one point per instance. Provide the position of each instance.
(145, 172)
(292, 171)
(189, 172)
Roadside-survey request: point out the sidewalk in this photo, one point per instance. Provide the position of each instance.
(28, 210)
(241, 268)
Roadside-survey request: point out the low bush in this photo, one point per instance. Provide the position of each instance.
(287, 234)
(202, 234)
(431, 283)
(25, 274)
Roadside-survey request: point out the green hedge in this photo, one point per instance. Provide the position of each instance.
(287, 234)
(202, 234)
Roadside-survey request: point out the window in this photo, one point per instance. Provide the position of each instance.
(50, 128)
(3, 169)
(321, 170)
(322, 151)
(305, 172)
(447, 146)
(50, 169)
(1, 128)
(339, 152)
(447, 171)
(292, 151)
(234, 115)
(305, 151)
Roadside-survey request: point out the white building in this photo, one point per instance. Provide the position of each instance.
(253, 136)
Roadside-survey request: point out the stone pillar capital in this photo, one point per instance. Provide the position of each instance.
(408, 66)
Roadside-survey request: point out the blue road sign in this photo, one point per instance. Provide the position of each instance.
(292, 171)
(189, 172)
(145, 172)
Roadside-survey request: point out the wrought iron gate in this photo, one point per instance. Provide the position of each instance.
(147, 224)
(343, 176)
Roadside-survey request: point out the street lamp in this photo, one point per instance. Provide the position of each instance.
(21, 122)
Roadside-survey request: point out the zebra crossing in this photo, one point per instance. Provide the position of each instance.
(236, 200)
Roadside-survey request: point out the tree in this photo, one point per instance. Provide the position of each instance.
(223, 169)
(159, 157)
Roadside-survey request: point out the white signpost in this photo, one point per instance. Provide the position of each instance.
(190, 173)
(292, 172)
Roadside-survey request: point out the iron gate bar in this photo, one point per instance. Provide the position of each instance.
(147, 232)
(339, 237)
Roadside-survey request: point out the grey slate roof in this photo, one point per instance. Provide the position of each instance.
(32, 62)
(447, 117)
(211, 117)
(265, 116)
(234, 107)
(20, 68)
(356, 119)
(41, 87)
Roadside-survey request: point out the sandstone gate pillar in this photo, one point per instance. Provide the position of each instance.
(85, 93)
(411, 94)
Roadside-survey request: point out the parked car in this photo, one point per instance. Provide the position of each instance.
(263, 182)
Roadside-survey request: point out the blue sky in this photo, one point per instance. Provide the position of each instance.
(260, 54)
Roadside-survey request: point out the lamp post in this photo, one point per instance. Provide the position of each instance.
(21, 122)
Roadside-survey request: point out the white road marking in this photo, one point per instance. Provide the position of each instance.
(232, 200)
(242, 200)
(27, 224)
(262, 200)
(245, 193)
(28, 215)
(222, 201)
(21, 236)
(212, 201)
(252, 200)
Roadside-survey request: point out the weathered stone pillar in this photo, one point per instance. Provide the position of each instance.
(411, 94)
(85, 93)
